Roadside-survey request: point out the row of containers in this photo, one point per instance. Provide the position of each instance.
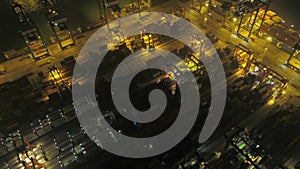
(264, 75)
(70, 147)
(249, 152)
(19, 141)
(24, 154)
(240, 151)
(67, 150)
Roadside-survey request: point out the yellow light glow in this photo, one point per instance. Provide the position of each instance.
(271, 102)
(234, 36)
(55, 75)
(269, 38)
(234, 19)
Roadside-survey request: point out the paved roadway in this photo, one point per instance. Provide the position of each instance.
(23, 65)
(274, 57)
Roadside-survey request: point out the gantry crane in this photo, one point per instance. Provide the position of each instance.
(142, 4)
(60, 83)
(200, 2)
(59, 25)
(251, 7)
(30, 33)
(104, 4)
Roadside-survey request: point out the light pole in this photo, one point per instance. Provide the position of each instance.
(105, 15)
(100, 9)
(139, 7)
